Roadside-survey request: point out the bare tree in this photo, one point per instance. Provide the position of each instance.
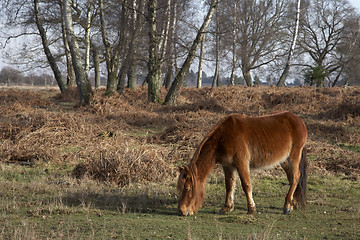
(173, 92)
(284, 74)
(349, 54)
(260, 34)
(45, 43)
(113, 50)
(128, 64)
(321, 34)
(82, 80)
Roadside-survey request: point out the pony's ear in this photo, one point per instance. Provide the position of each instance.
(183, 172)
(187, 170)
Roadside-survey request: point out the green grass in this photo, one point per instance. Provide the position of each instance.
(349, 147)
(145, 131)
(42, 202)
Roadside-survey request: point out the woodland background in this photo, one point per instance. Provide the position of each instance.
(129, 43)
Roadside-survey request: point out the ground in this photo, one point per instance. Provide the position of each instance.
(109, 170)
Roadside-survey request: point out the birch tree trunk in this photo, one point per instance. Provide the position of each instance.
(173, 93)
(164, 38)
(200, 68)
(87, 37)
(284, 74)
(46, 47)
(82, 81)
(234, 57)
(70, 78)
(171, 50)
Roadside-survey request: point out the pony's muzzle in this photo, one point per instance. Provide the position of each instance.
(185, 213)
(182, 214)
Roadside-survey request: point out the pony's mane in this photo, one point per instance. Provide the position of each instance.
(204, 141)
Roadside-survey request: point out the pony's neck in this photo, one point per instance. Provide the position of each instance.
(204, 162)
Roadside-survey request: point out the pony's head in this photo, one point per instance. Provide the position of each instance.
(191, 192)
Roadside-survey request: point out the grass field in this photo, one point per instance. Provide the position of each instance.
(36, 205)
(109, 170)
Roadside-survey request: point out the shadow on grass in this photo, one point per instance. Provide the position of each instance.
(122, 203)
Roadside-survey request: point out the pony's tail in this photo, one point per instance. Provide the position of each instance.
(300, 192)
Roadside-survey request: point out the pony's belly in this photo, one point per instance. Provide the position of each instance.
(267, 163)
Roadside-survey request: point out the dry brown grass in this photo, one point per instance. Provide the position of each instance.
(124, 139)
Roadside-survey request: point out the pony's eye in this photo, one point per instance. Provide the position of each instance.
(187, 188)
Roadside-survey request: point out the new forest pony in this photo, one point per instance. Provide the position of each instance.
(240, 143)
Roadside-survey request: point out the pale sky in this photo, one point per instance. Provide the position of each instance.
(355, 3)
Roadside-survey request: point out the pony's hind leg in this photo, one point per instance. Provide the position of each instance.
(291, 167)
(230, 183)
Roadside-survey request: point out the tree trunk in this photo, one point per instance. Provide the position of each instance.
(164, 39)
(87, 37)
(153, 63)
(70, 78)
(128, 66)
(96, 66)
(47, 51)
(200, 68)
(234, 57)
(247, 77)
(284, 74)
(132, 75)
(215, 82)
(171, 51)
(137, 27)
(111, 65)
(169, 73)
(82, 81)
(122, 75)
(112, 54)
(173, 93)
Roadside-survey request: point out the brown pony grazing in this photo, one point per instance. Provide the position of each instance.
(240, 143)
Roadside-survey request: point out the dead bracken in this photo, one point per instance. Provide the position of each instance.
(124, 139)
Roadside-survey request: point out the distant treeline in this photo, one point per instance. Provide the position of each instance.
(11, 76)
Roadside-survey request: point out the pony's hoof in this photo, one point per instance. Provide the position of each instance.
(222, 212)
(286, 210)
(250, 212)
(225, 210)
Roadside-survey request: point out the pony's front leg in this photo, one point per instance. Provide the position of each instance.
(230, 183)
(244, 174)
